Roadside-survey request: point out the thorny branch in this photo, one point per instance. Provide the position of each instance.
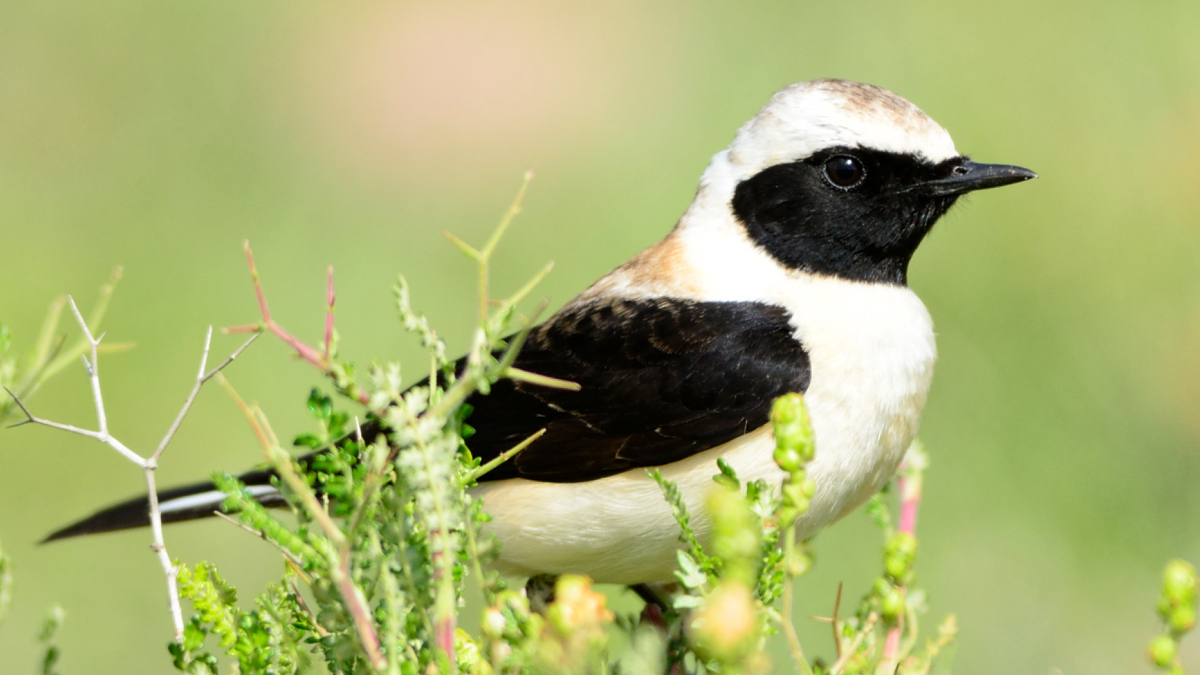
(147, 464)
(851, 649)
(322, 360)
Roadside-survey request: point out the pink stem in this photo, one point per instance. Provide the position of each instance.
(445, 637)
(444, 619)
(360, 613)
(262, 299)
(910, 499)
(248, 328)
(908, 507)
(302, 350)
(305, 352)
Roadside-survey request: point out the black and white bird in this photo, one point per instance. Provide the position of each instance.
(788, 273)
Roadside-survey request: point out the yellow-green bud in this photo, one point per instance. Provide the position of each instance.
(795, 502)
(493, 623)
(788, 458)
(559, 619)
(891, 604)
(727, 626)
(735, 533)
(1164, 606)
(799, 563)
(792, 427)
(1162, 651)
(809, 486)
(793, 495)
(501, 651)
(1182, 619)
(856, 664)
(466, 653)
(898, 556)
(518, 604)
(788, 515)
(1180, 583)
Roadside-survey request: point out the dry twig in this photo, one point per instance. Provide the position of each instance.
(147, 464)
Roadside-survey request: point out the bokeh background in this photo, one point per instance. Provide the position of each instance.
(1063, 422)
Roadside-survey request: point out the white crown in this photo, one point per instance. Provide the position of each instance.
(809, 116)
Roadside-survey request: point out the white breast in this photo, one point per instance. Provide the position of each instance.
(872, 352)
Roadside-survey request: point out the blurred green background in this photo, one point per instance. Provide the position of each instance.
(1063, 421)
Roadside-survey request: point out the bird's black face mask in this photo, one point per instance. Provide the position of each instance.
(855, 213)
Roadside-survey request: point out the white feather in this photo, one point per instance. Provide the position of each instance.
(211, 498)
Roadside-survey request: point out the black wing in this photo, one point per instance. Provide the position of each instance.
(662, 379)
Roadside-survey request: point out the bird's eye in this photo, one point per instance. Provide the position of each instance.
(844, 172)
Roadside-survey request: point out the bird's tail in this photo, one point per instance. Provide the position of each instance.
(201, 500)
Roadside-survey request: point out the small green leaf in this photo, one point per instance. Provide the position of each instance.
(727, 476)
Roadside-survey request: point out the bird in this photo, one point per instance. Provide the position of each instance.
(787, 273)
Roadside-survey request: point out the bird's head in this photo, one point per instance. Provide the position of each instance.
(843, 179)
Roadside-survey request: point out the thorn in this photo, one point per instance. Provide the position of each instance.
(29, 418)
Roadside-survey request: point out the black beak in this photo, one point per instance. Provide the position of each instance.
(969, 176)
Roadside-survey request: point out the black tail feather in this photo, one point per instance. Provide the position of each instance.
(177, 505)
(186, 503)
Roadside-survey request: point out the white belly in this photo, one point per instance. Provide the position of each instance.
(871, 370)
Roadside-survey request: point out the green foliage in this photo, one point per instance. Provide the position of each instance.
(268, 639)
(51, 624)
(387, 538)
(727, 609)
(695, 566)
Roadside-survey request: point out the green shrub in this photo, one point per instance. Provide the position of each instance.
(387, 540)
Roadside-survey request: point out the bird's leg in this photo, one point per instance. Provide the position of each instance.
(540, 591)
(650, 596)
(659, 613)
